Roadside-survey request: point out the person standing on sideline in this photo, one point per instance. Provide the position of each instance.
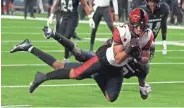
(101, 8)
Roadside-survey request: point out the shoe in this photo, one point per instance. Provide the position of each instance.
(47, 32)
(65, 60)
(77, 38)
(24, 46)
(39, 78)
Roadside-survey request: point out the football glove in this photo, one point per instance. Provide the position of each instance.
(50, 20)
(144, 91)
(47, 32)
(91, 21)
(134, 49)
(164, 50)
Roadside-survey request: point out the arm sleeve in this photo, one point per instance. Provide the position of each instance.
(149, 43)
(116, 36)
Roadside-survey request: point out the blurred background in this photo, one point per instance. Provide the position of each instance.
(38, 8)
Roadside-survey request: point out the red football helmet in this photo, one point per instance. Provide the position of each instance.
(138, 19)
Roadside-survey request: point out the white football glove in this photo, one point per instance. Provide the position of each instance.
(144, 91)
(91, 21)
(164, 45)
(51, 19)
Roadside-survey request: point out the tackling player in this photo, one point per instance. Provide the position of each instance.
(109, 71)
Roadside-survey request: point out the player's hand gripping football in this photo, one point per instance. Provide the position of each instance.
(144, 91)
(134, 49)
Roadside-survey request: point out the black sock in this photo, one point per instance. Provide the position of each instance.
(64, 41)
(43, 56)
(66, 53)
(58, 74)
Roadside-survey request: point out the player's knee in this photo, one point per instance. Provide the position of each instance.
(111, 97)
(57, 65)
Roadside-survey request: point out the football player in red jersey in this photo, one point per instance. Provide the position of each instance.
(129, 41)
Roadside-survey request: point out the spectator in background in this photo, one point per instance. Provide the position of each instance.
(137, 3)
(5, 7)
(81, 12)
(11, 5)
(175, 12)
(29, 5)
(123, 10)
(40, 6)
(50, 2)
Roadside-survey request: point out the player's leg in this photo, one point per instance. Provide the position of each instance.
(109, 83)
(108, 17)
(113, 88)
(45, 57)
(70, 29)
(97, 18)
(79, 54)
(88, 68)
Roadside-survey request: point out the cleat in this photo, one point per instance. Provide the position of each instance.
(47, 32)
(39, 78)
(66, 61)
(24, 46)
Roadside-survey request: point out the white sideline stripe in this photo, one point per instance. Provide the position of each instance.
(71, 85)
(83, 22)
(12, 106)
(39, 65)
(26, 33)
(61, 51)
(176, 43)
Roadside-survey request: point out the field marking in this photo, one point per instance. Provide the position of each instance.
(83, 22)
(28, 33)
(61, 51)
(175, 57)
(40, 65)
(71, 85)
(176, 43)
(13, 106)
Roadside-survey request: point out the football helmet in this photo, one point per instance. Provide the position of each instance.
(138, 18)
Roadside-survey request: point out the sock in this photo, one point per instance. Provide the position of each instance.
(58, 74)
(64, 41)
(42, 56)
(66, 54)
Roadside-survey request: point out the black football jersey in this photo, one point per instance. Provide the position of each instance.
(69, 7)
(133, 68)
(158, 19)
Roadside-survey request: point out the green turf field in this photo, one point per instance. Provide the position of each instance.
(166, 76)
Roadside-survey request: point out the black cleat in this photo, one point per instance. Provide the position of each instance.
(77, 38)
(39, 78)
(23, 46)
(47, 32)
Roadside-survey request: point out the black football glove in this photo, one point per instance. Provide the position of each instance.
(134, 49)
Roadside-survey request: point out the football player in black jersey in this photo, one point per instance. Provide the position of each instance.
(69, 19)
(158, 13)
(108, 76)
(104, 80)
